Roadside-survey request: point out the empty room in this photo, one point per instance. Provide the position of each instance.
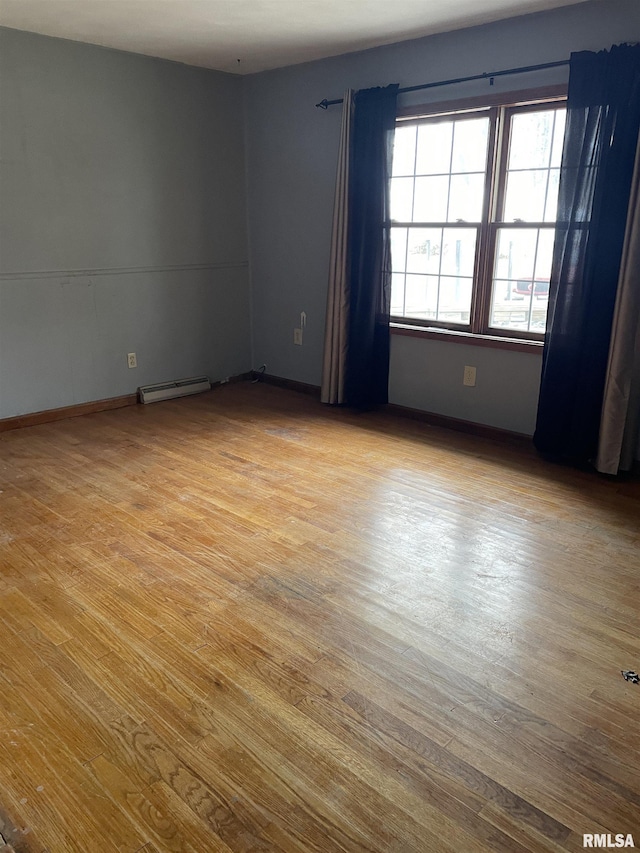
(319, 426)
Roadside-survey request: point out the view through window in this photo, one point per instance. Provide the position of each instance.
(473, 208)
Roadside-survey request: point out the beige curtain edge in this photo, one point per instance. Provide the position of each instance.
(619, 439)
(337, 315)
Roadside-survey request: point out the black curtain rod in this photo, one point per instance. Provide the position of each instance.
(485, 76)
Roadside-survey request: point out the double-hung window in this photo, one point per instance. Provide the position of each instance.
(473, 207)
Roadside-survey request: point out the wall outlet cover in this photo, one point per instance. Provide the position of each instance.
(469, 377)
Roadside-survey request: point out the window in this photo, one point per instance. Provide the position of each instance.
(473, 208)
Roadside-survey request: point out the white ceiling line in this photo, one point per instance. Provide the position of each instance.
(262, 34)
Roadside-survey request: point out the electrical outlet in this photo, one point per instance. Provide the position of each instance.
(469, 376)
(132, 361)
(297, 337)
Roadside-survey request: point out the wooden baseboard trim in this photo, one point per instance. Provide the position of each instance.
(469, 427)
(36, 418)
(291, 384)
(431, 418)
(50, 415)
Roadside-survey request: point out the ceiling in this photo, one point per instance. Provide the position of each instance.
(262, 34)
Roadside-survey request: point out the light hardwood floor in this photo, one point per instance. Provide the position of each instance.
(243, 622)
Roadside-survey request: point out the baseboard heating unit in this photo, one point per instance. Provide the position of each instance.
(169, 390)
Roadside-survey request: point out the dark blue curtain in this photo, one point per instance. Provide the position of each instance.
(603, 119)
(367, 359)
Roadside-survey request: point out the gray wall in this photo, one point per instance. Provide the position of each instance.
(122, 223)
(292, 151)
(123, 226)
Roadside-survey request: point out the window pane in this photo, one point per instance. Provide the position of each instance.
(526, 195)
(397, 294)
(558, 138)
(404, 150)
(423, 254)
(434, 148)
(455, 299)
(531, 138)
(401, 199)
(551, 210)
(439, 279)
(444, 298)
(398, 249)
(544, 257)
(470, 145)
(520, 290)
(431, 199)
(421, 297)
(515, 253)
(458, 251)
(445, 147)
(535, 151)
(465, 198)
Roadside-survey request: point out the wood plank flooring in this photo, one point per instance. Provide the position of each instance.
(244, 622)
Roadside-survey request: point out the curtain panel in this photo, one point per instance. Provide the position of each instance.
(357, 340)
(374, 122)
(603, 118)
